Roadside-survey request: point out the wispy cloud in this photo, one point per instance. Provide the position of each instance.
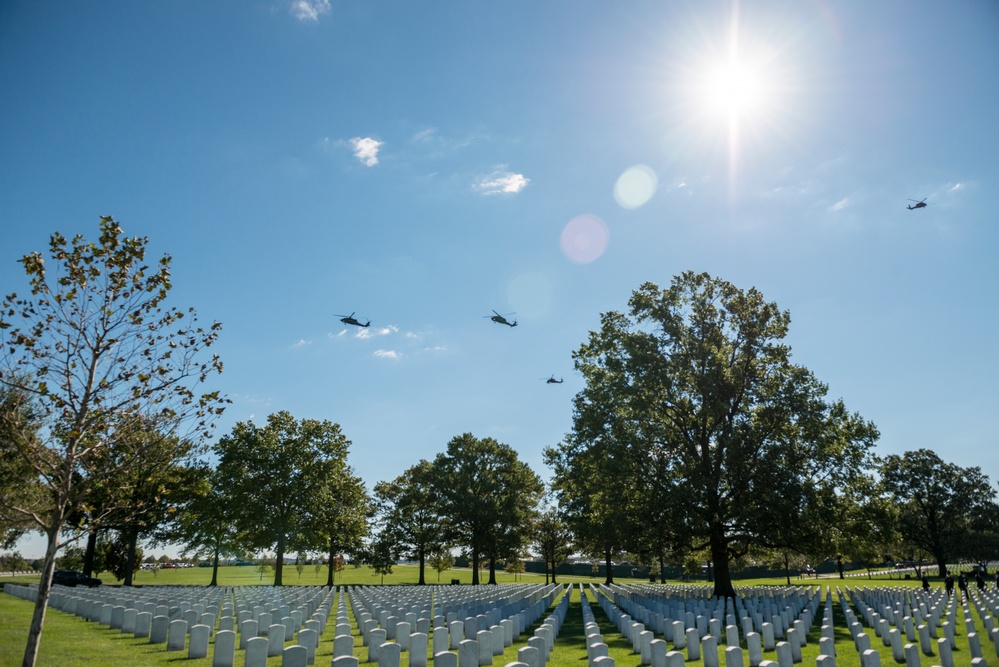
(302, 343)
(387, 354)
(309, 10)
(841, 204)
(366, 150)
(380, 331)
(501, 182)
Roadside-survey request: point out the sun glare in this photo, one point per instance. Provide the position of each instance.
(734, 89)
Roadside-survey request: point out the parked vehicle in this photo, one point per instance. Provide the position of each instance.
(74, 578)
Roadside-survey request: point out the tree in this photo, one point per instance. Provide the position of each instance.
(273, 474)
(409, 509)
(206, 524)
(598, 485)
(382, 555)
(441, 560)
(489, 496)
(697, 383)
(938, 502)
(552, 539)
(338, 520)
(146, 495)
(94, 340)
(21, 494)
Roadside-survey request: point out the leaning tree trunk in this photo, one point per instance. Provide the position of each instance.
(44, 588)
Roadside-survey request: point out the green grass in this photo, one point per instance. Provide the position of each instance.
(69, 641)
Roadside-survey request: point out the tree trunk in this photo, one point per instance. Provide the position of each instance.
(332, 564)
(279, 562)
(787, 569)
(941, 566)
(44, 588)
(546, 571)
(475, 568)
(89, 554)
(133, 539)
(492, 571)
(839, 566)
(553, 573)
(719, 557)
(662, 568)
(609, 579)
(423, 560)
(215, 568)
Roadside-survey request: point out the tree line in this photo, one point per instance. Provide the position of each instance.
(695, 439)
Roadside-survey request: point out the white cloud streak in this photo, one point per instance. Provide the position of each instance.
(387, 354)
(309, 10)
(501, 182)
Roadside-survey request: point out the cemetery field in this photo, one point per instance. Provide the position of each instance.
(71, 640)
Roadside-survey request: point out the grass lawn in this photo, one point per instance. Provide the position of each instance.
(70, 641)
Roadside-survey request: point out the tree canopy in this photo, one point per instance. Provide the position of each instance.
(275, 473)
(696, 385)
(489, 497)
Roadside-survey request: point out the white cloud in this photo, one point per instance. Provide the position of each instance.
(309, 10)
(372, 333)
(841, 204)
(501, 182)
(302, 343)
(387, 354)
(366, 150)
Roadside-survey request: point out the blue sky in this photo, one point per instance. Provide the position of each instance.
(422, 164)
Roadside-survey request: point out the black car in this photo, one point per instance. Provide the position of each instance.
(74, 578)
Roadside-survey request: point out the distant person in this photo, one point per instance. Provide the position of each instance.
(949, 584)
(926, 583)
(962, 583)
(980, 581)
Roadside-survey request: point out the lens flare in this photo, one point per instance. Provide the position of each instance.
(635, 187)
(530, 293)
(584, 239)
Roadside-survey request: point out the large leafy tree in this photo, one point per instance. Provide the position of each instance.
(338, 520)
(409, 510)
(697, 379)
(598, 484)
(489, 496)
(205, 524)
(273, 474)
(92, 340)
(938, 503)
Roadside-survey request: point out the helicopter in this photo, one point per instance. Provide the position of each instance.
(552, 380)
(499, 319)
(349, 319)
(919, 204)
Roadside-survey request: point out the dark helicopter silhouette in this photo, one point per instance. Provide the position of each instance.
(499, 319)
(552, 380)
(919, 204)
(349, 319)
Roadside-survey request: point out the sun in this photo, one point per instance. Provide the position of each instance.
(735, 89)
